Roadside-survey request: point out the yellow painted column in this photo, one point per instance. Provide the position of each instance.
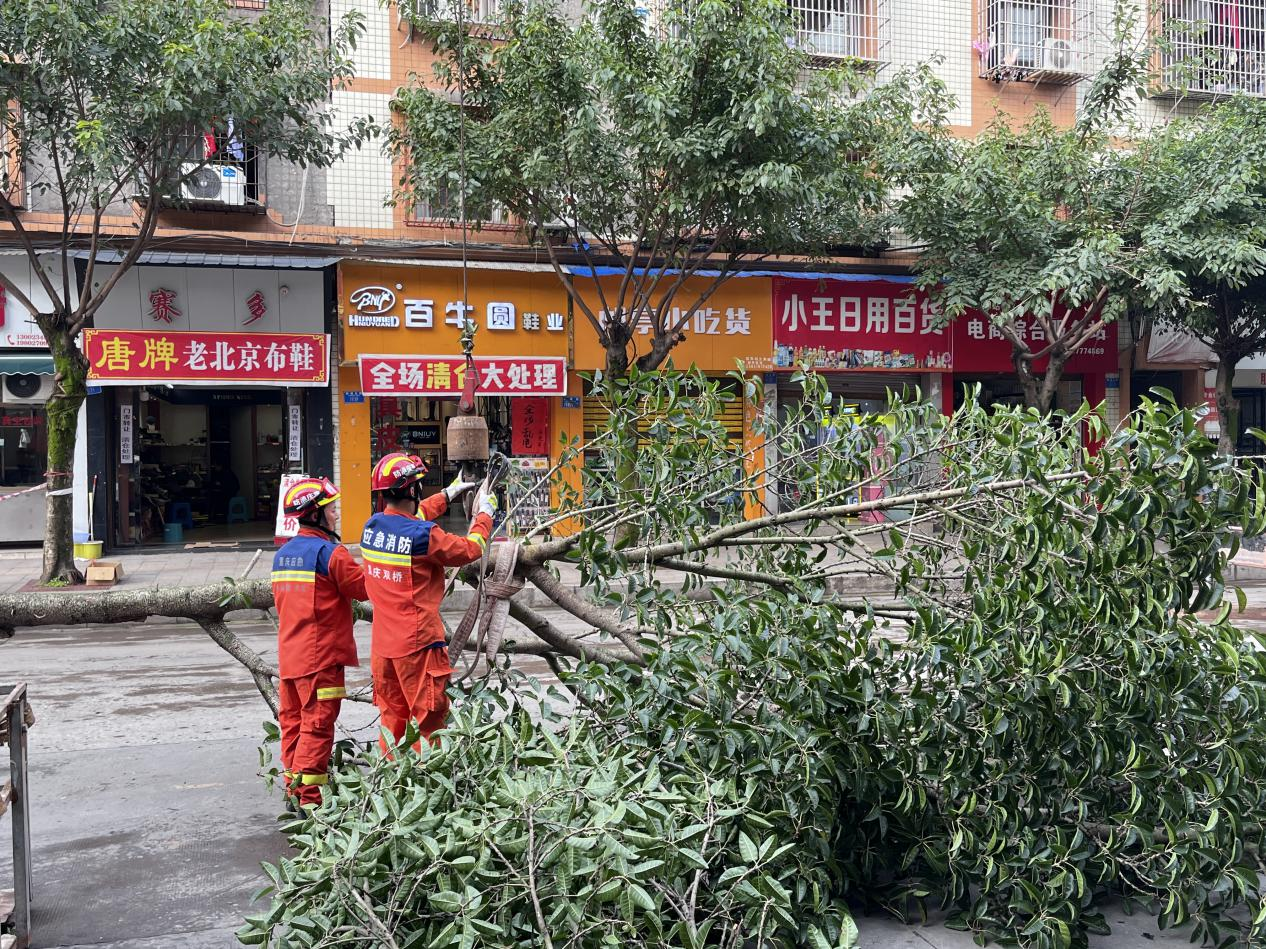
(354, 461)
(569, 423)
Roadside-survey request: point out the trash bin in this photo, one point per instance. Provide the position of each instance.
(173, 532)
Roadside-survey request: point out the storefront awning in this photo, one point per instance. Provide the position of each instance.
(20, 364)
(193, 259)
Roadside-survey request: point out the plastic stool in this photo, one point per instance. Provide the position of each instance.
(181, 513)
(238, 513)
(173, 533)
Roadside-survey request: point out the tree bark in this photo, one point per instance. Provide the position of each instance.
(624, 442)
(63, 419)
(1228, 404)
(1039, 391)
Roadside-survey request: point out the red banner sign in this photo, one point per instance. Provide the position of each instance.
(443, 376)
(130, 357)
(529, 427)
(979, 346)
(892, 327)
(863, 324)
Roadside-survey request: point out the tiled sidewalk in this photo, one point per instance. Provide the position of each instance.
(169, 568)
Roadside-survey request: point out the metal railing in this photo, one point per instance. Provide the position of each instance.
(829, 30)
(442, 207)
(472, 11)
(13, 798)
(1210, 49)
(1045, 41)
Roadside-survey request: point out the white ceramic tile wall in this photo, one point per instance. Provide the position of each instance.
(920, 31)
(361, 183)
(373, 52)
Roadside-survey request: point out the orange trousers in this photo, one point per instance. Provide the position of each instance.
(414, 687)
(308, 710)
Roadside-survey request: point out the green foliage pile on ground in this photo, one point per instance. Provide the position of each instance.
(1049, 725)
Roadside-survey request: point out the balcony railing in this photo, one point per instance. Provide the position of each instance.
(833, 30)
(1042, 41)
(1210, 49)
(472, 11)
(443, 209)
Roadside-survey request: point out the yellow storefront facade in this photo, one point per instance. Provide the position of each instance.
(399, 365)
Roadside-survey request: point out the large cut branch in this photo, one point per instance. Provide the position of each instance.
(131, 606)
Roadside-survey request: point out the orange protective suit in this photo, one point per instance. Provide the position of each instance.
(314, 583)
(405, 559)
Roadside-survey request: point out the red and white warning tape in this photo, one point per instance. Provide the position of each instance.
(38, 487)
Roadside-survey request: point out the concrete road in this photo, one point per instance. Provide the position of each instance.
(149, 818)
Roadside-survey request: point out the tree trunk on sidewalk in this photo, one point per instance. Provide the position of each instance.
(624, 442)
(1039, 390)
(1228, 404)
(69, 391)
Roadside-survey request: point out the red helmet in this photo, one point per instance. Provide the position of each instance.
(308, 494)
(397, 472)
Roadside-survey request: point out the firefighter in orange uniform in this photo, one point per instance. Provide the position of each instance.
(315, 580)
(405, 556)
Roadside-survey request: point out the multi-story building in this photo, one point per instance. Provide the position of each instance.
(358, 298)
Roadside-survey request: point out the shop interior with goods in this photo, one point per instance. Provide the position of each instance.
(421, 426)
(206, 468)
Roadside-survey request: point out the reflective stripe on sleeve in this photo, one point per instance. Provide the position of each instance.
(315, 779)
(479, 539)
(333, 692)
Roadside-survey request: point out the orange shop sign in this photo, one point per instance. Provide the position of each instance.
(735, 324)
(405, 309)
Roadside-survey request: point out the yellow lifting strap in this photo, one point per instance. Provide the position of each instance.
(333, 692)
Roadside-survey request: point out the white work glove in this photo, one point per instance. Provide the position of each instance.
(458, 487)
(486, 503)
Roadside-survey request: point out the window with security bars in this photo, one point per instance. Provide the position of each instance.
(220, 168)
(1210, 49)
(441, 206)
(472, 11)
(1043, 41)
(832, 30)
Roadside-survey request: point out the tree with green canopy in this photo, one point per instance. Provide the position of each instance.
(1042, 227)
(104, 110)
(658, 150)
(1215, 236)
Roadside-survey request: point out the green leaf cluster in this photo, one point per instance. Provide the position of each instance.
(1013, 691)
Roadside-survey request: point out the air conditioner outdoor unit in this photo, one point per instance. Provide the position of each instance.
(26, 388)
(224, 184)
(1059, 56)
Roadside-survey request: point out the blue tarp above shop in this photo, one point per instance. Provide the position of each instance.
(792, 274)
(20, 364)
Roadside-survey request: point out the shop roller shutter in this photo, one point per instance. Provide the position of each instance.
(596, 413)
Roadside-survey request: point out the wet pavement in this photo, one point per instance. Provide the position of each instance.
(149, 817)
